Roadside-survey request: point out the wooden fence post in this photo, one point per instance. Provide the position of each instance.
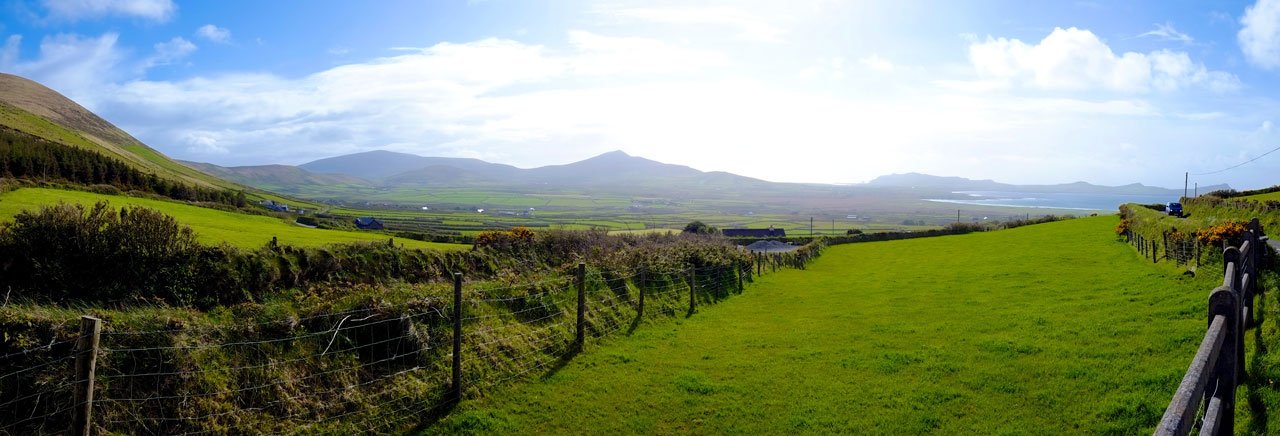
(1223, 301)
(579, 339)
(739, 271)
(759, 264)
(457, 338)
(693, 286)
(644, 280)
(86, 367)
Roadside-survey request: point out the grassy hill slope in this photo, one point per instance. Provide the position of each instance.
(211, 226)
(1047, 329)
(32, 108)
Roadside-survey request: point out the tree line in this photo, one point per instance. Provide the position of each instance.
(28, 157)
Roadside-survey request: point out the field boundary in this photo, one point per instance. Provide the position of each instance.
(1218, 366)
(415, 361)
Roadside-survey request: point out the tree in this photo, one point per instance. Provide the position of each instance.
(700, 228)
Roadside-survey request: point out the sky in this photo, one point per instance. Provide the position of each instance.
(797, 91)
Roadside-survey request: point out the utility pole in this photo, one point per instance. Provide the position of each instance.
(1186, 177)
(810, 227)
(957, 215)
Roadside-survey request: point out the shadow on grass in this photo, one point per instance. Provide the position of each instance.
(635, 323)
(432, 416)
(1257, 379)
(562, 362)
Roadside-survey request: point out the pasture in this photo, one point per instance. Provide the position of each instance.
(1056, 328)
(211, 226)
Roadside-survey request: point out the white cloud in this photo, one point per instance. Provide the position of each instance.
(1259, 35)
(606, 55)
(1167, 32)
(169, 52)
(74, 65)
(214, 33)
(529, 104)
(203, 143)
(877, 63)
(73, 10)
(829, 68)
(439, 100)
(9, 54)
(748, 25)
(1075, 59)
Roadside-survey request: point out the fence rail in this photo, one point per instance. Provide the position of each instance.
(1218, 366)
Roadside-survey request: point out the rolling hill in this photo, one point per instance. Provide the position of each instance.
(614, 171)
(34, 109)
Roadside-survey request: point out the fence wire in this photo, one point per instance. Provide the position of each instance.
(375, 368)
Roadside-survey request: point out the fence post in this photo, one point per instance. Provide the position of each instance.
(693, 286)
(1197, 243)
(759, 264)
(644, 280)
(582, 306)
(86, 367)
(1223, 301)
(457, 337)
(1166, 244)
(739, 271)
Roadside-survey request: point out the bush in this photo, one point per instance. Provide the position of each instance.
(70, 251)
(1226, 231)
(700, 228)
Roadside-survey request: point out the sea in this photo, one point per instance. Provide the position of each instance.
(1046, 200)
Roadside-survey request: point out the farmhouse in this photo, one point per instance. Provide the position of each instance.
(368, 223)
(272, 205)
(755, 233)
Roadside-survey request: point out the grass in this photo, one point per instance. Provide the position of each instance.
(211, 226)
(1047, 329)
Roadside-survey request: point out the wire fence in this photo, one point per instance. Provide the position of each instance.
(383, 367)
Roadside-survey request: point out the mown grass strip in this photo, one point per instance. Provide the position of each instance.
(1046, 329)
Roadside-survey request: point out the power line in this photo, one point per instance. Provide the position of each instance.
(1239, 164)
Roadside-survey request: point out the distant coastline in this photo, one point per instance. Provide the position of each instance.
(1051, 200)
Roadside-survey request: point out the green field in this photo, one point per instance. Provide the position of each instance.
(211, 226)
(1048, 329)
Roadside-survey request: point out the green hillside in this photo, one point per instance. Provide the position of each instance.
(212, 226)
(1048, 329)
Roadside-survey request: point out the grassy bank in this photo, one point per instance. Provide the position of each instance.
(1054, 328)
(211, 226)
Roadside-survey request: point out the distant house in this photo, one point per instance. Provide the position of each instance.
(368, 223)
(278, 207)
(755, 233)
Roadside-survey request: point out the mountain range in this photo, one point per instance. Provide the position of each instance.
(34, 109)
(614, 171)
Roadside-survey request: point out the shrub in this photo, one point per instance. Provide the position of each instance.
(1226, 231)
(700, 228)
(70, 251)
(1123, 226)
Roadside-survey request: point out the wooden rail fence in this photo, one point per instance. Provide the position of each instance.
(1218, 366)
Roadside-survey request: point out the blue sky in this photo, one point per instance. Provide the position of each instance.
(803, 91)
